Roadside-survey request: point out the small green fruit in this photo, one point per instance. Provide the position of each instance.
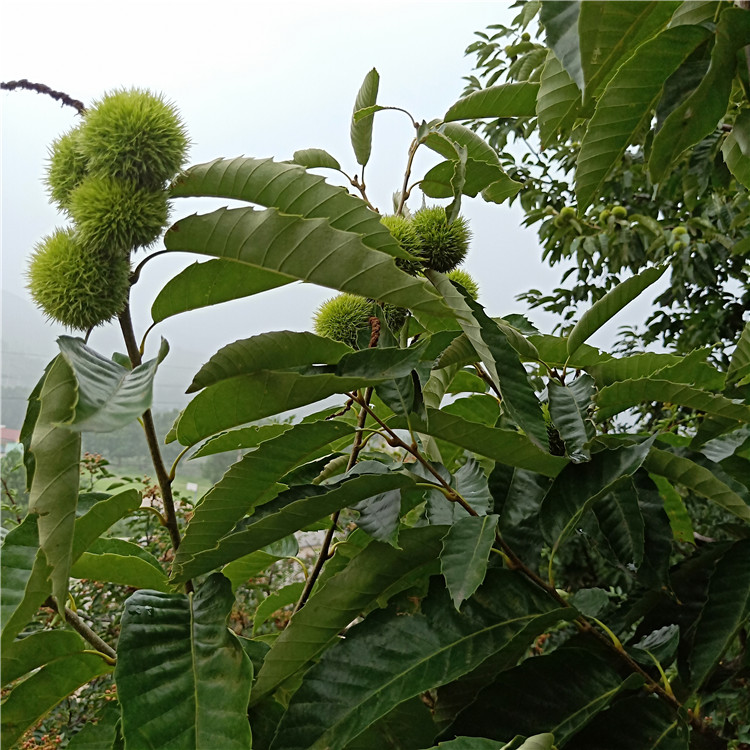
(442, 246)
(568, 212)
(525, 36)
(466, 281)
(66, 168)
(677, 231)
(114, 215)
(604, 216)
(75, 286)
(395, 316)
(619, 212)
(134, 135)
(403, 232)
(677, 246)
(341, 318)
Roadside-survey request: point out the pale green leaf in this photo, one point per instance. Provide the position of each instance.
(505, 100)
(736, 148)
(36, 650)
(183, 680)
(674, 506)
(361, 131)
(560, 22)
(275, 601)
(558, 103)
(312, 158)
(241, 439)
(609, 305)
(252, 565)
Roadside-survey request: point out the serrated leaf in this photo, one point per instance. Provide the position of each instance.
(36, 650)
(505, 100)
(609, 305)
(578, 486)
(253, 481)
(620, 521)
(683, 471)
(379, 516)
(241, 439)
(697, 116)
(54, 489)
(725, 612)
(292, 510)
(674, 506)
(558, 101)
(560, 21)
(211, 283)
(626, 393)
(301, 249)
(465, 555)
(312, 158)
(506, 446)
(361, 132)
(122, 562)
(609, 32)
(569, 416)
(471, 483)
(628, 99)
(632, 367)
(501, 359)
(250, 566)
(292, 190)
(391, 657)
(276, 600)
(480, 176)
(109, 395)
(43, 690)
(553, 350)
(539, 695)
(183, 680)
(378, 568)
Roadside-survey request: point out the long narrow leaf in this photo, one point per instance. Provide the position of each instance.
(505, 100)
(361, 130)
(559, 100)
(560, 21)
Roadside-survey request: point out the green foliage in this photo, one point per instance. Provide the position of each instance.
(525, 542)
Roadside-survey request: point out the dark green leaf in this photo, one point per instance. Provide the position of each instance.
(609, 305)
(276, 600)
(660, 644)
(379, 516)
(391, 657)
(480, 175)
(54, 489)
(558, 102)
(569, 416)
(621, 523)
(736, 149)
(253, 481)
(739, 366)
(312, 158)
(465, 554)
(471, 483)
(560, 21)
(36, 650)
(99, 736)
(725, 612)
(109, 395)
(361, 132)
(409, 726)
(590, 602)
(241, 439)
(698, 115)
(252, 565)
(183, 680)
(375, 570)
(506, 100)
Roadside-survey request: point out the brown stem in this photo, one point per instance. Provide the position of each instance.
(41, 88)
(88, 634)
(404, 189)
(162, 475)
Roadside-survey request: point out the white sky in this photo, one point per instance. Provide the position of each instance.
(260, 79)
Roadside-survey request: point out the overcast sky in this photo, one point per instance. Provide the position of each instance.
(260, 79)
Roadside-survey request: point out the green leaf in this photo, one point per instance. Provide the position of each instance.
(480, 176)
(724, 614)
(683, 471)
(43, 690)
(54, 489)
(697, 13)
(312, 158)
(444, 139)
(276, 600)
(276, 350)
(501, 359)
(736, 149)
(109, 395)
(698, 115)
(590, 602)
(100, 516)
(506, 446)
(609, 32)
(393, 656)
(471, 743)
(406, 727)
(505, 100)
(290, 189)
(102, 735)
(241, 439)
(471, 483)
(36, 650)
(122, 562)
(29, 422)
(465, 554)
(739, 366)
(621, 522)
(569, 412)
(578, 486)
(637, 721)
(360, 585)
(361, 132)
(624, 394)
(379, 516)
(291, 511)
(560, 21)
(629, 99)
(210, 283)
(674, 506)
(253, 481)
(553, 351)
(301, 249)
(183, 680)
(609, 305)
(558, 102)
(539, 694)
(632, 367)
(661, 644)
(250, 566)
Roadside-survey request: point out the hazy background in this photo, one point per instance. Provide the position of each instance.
(258, 79)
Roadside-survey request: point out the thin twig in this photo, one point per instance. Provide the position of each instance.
(404, 189)
(88, 634)
(41, 88)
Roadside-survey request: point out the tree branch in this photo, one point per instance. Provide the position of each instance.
(88, 634)
(41, 88)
